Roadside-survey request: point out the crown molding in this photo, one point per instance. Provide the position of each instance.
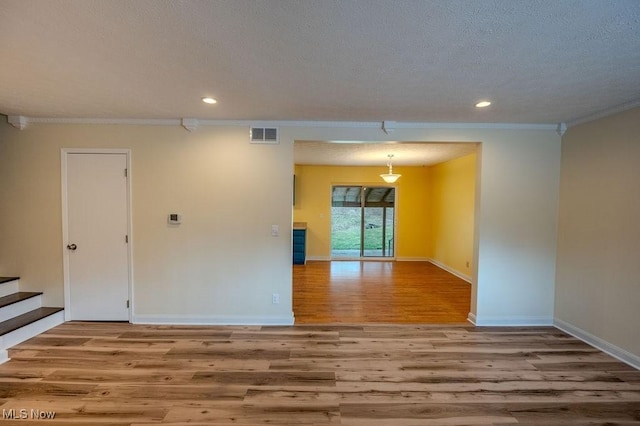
(292, 123)
(121, 121)
(18, 121)
(21, 121)
(561, 129)
(604, 113)
(191, 124)
(478, 126)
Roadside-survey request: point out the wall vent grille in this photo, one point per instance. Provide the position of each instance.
(264, 135)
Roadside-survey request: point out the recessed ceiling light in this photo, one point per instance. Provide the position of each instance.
(483, 104)
(209, 100)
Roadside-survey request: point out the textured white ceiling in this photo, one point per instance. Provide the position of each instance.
(375, 154)
(539, 61)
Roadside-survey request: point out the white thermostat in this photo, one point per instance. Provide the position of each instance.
(175, 219)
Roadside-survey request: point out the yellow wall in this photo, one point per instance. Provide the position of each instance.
(313, 205)
(435, 209)
(452, 209)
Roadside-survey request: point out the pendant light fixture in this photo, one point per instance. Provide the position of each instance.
(390, 177)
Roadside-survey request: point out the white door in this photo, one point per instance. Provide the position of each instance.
(96, 240)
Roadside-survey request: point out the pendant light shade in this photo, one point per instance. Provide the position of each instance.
(390, 177)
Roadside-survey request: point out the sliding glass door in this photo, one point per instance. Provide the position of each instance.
(379, 215)
(346, 222)
(362, 222)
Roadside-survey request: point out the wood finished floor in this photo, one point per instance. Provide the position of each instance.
(378, 292)
(373, 375)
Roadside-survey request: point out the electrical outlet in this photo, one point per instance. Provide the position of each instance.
(275, 298)
(275, 230)
(467, 264)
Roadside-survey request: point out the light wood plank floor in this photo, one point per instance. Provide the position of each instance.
(373, 375)
(378, 292)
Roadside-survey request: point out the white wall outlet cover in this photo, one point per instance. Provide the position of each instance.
(275, 230)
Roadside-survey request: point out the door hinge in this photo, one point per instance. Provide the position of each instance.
(126, 239)
(127, 304)
(126, 172)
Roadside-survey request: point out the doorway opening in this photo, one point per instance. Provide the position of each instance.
(430, 237)
(362, 222)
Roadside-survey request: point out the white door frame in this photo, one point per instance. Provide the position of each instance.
(65, 224)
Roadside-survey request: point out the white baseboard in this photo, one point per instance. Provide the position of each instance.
(458, 274)
(484, 321)
(412, 259)
(4, 356)
(471, 318)
(609, 348)
(213, 320)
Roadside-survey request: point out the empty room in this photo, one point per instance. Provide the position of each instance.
(319, 213)
(357, 236)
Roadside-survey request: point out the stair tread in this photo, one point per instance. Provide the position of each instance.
(8, 279)
(25, 319)
(17, 297)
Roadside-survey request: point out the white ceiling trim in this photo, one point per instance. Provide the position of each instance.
(125, 121)
(328, 124)
(499, 126)
(604, 113)
(321, 124)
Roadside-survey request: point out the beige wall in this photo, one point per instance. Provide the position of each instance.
(222, 264)
(598, 267)
(516, 228)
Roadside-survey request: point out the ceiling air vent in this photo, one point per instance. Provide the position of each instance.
(264, 135)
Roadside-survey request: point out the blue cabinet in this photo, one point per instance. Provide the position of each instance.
(299, 245)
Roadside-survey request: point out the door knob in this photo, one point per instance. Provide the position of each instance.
(72, 247)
